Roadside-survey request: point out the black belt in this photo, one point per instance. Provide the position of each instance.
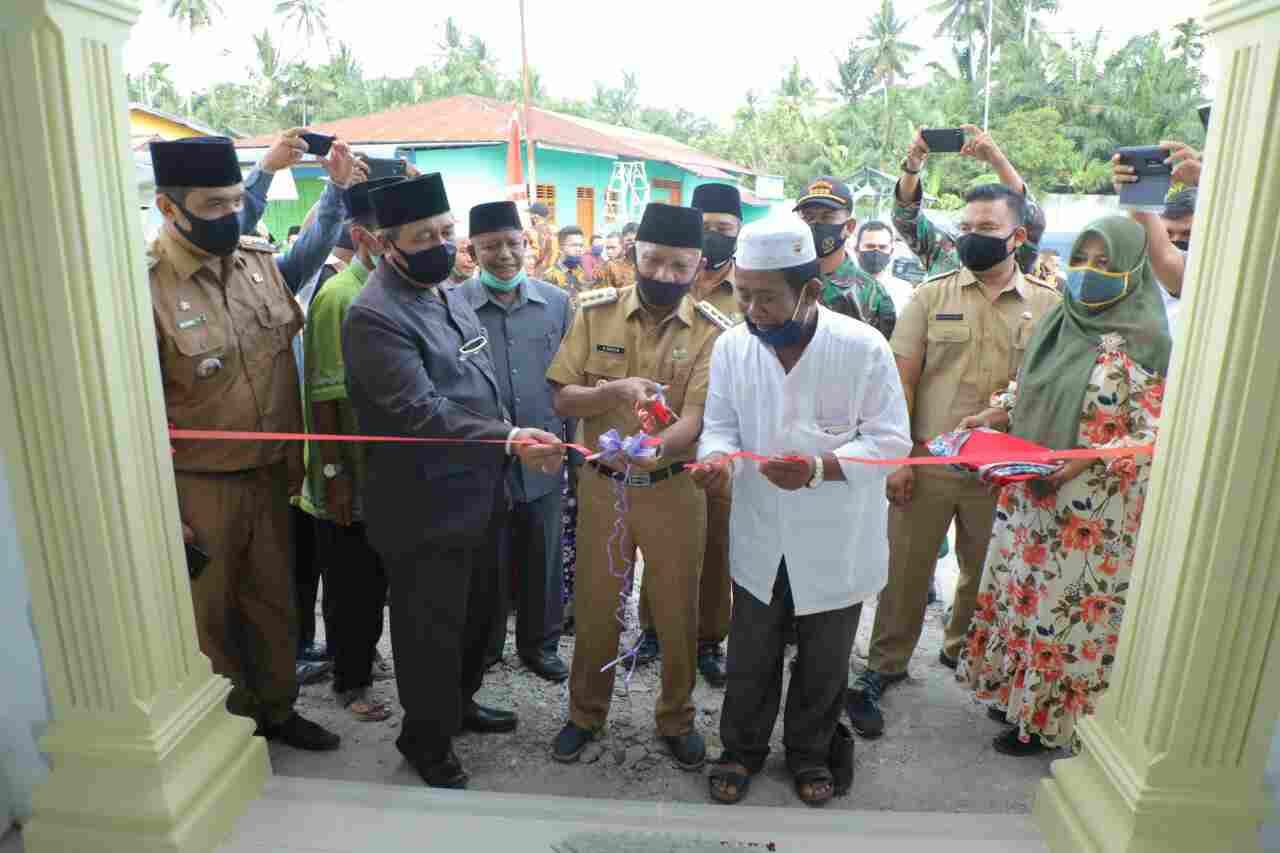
(638, 478)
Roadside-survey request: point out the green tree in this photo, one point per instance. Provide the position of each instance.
(193, 16)
(154, 88)
(309, 17)
(1188, 42)
(887, 53)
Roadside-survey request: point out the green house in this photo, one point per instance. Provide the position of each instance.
(593, 175)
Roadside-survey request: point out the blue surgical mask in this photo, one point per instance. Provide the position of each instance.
(571, 261)
(788, 334)
(492, 282)
(1096, 289)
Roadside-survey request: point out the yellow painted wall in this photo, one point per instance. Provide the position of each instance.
(145, 124)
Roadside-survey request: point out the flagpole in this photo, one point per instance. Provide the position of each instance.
(528, 131)
(986, 108)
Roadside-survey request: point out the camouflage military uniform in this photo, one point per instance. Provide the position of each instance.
(925, 239)
(849, 290)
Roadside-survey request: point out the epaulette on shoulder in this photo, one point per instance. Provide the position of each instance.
(714, 314)
(597, 297)
(939, 276)
(255, 243)
(1046, 285)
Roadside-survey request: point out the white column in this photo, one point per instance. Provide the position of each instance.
(143, 755)
(1174, 759)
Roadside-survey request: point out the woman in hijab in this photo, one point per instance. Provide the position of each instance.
(1043, 639)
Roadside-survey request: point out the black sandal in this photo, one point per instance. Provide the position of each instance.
(813, 777)
(741, 782)
(1011, 743)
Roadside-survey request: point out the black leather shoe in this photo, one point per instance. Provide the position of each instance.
(300, 733)
(445, 772)
(649, 650)
(478, 718)
(689, 749)
(570, 743)
(1010, 743)
(546, 665)
(711, 664)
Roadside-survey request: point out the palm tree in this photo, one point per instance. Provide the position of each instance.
(886, 53)
(309, 16)
(193, 15)
(1189, 41)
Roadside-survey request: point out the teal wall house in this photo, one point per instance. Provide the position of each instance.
(575, 160)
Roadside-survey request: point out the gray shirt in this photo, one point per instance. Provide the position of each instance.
(524, 337)
(408, 375)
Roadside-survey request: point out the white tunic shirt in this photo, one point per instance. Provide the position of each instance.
(843, 396)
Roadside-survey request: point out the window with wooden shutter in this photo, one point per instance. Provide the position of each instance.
(546, 193)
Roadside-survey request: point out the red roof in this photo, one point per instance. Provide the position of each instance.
(470, 118)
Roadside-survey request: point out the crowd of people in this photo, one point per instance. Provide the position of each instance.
(510, 420)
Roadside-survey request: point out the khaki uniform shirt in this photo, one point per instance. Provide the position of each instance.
(618, 273)
(618, 339)
(971, 346)
(224, 327)
(726, 301)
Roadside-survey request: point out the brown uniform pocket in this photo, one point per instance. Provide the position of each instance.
(605, 367)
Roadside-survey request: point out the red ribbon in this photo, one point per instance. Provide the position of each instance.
(972, 459)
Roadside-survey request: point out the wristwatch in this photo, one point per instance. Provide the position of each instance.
(331, 471)
(818, 473)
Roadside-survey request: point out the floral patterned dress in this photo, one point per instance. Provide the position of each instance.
(1043, 639)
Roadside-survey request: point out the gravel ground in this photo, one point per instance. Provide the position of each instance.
(935, 754)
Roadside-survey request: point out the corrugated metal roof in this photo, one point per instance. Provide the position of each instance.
(470, 118)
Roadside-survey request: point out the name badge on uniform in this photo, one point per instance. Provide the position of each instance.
(949, 317)
(193, 322)
(611, 349)
(208, 367)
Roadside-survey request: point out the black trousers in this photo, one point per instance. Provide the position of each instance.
(355, 593)
(531, 554)
(442, 613)
(307, 573)
(815, 698)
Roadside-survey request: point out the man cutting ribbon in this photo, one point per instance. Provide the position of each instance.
(808, 532)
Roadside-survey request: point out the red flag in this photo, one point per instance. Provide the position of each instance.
(516, 188)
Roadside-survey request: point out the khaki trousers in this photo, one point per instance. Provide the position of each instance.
(667, 521)
(916, 532)
(715, 592)
(246, 613)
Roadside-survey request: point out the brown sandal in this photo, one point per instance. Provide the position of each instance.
(363, 706)
(729, 774)
(812, 778)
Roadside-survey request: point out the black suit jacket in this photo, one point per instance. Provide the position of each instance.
(407, 375)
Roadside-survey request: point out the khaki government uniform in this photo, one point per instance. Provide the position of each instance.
(715, 596)
(615, 337)
(972, 347)
(224, 328)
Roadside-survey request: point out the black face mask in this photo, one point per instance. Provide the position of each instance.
(827, 237)
(661, 294)
(1184, 245)
(718, 249)
(873, 262)
(430, 266)
(218, 237)
(981, 252)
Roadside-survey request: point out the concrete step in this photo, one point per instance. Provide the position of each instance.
(320, 816)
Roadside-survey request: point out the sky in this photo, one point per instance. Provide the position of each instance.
(700, 55)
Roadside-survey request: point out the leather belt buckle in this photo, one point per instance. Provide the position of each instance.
(642, 479)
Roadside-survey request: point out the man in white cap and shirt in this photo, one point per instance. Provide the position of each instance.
(808, 532)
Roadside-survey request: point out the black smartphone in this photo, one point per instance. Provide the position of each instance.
(197, 560)
(944, 140)
(1204, 115)
(385, 167)
(1152, 186)
(318, 143)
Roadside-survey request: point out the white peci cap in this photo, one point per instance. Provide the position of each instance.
(776, 243)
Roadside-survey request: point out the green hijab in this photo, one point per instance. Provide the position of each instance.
(1064, 347)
